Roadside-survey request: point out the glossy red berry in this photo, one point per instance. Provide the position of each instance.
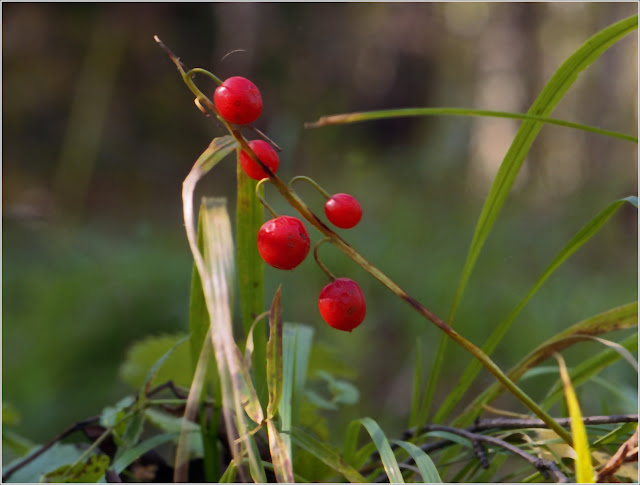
(238, 100)
(342, 304)
(343, 210)
(283, 242)
(265, 153)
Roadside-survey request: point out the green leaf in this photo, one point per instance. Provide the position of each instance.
(274, 356)
(589, 368)
(172, 424)
(249, 219)
(550, 96)
(616, 435)
(296, 343)
(427, 469)
(229, 475)
(48, 461)
(384, 449)
(198, 313)
(615, 319)
(132, 454)
(89, 472)
(474, 367)
(325, 454)
(114, 418)
(150, 354)
(584, 467)
(359, 117)
(279, 455)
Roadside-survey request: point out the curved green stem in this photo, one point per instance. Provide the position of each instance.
(199, 70)
(292, 198)
(312, 182)
(261, 199)
(320, 263)
(411, 112)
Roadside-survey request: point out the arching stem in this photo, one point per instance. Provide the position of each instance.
(320, 263)
(261, 199)
(312, 182)
(199, 70)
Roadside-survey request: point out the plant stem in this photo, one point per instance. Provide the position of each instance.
(312, 182)
(297, 203)
(320, 263)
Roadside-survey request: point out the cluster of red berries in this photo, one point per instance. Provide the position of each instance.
(283, 242)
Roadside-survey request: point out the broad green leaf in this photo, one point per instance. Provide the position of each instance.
(325, 454)
(615, 319)
(544, 104)
(384, 449)
(132, 454)
(56, 456)
(342, 392)
(360, 117)
(584, 371)
(584, 468)
(172, 424)
(89, 472)
(296, 343)
(474, 367)
(160, 357)
(115, 418)
(249, 219)
(279, 455)
(274, 356)
(427, 469)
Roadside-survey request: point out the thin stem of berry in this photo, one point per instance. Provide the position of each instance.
(312, 182)
(320, 263)
(261, 199)
(198, 70)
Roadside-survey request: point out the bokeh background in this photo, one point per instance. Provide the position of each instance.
(99, 131)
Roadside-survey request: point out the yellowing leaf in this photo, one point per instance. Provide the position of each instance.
(584, 468)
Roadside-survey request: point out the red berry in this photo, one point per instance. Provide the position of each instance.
(342, 304)
(265, 153)
(283, 242)
(343, 210)
(238, 100)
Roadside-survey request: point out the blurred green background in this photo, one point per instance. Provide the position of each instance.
(99, 132)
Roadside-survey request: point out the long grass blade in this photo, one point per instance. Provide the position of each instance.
(279, 455)
(618, 318)
(474, 367)
(584, 467)
(325, 454)
(426, 467)
(236, 387)
(550, 96)
(384, 449)
(274, 356)
(181, 463)
(249, 218)
(348, 118)
(584, 371)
